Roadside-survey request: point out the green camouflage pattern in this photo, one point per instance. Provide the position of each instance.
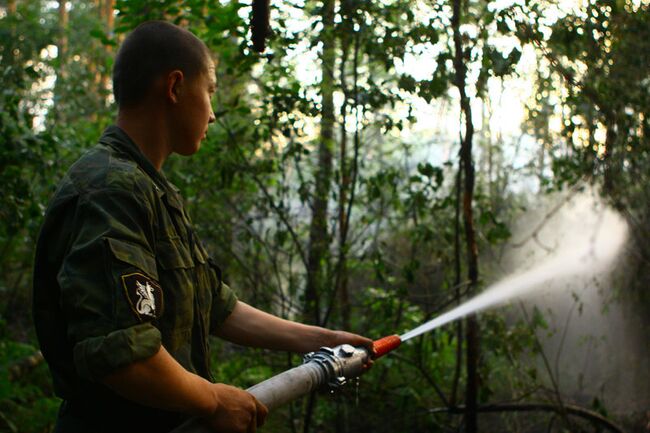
(115, 223)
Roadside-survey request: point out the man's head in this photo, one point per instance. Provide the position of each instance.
(153, 49)
(167, 72)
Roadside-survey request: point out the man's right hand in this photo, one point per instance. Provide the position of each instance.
(160, 381)
(237, 411)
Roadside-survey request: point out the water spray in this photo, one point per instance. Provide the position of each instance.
(331, 368)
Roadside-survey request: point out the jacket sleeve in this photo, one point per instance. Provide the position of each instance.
(224, 299)
(109, 290)
(223, 302)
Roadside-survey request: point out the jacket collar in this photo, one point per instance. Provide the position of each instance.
(118, 139)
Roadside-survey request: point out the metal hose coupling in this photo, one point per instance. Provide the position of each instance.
(345, 362)
(340, 363)
(328, 367)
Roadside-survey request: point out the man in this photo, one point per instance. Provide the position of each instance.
(124, 293)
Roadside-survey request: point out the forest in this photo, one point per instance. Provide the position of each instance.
(378, 164)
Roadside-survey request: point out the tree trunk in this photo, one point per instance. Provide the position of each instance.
(63, 36)
(467, 162)
(457, 285)
(62, 56)
(318, 231)
(610, 174)
(11, 7)
(319, 237)
(345, 178)
(342, 277)
(109, 20)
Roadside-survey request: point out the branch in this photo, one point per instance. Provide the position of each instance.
(428, 378)
(534, 234)
(554, 382)
(578, 411)
(267, 195)
(283, 218)
(568, 75)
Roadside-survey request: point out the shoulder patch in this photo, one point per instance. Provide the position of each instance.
(144, 294)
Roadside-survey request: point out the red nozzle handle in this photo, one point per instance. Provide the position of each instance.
(384, 345)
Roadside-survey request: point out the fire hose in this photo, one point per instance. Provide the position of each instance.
(327, 367)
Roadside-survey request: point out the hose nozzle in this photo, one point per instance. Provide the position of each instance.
(384, 345)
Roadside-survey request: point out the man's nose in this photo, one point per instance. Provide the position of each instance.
(212, 117)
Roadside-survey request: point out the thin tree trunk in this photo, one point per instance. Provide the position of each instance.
(62, 55)
(318, 231)
(92, 62)
(354, 170)
(63, 36)
(610, 174)
(467, 162)
(346, 173)
(342, 277)
(109, 20)
(471, 392)
(457, 285)
(11, 7)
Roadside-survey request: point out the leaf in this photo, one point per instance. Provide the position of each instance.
(498, 233)
(426, 169)
(407, 82)
(97, 33)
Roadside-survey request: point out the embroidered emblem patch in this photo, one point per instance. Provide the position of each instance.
(144, 295)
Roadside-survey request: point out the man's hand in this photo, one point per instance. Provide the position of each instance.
(160, 381)
(237, 411)
(343, 337)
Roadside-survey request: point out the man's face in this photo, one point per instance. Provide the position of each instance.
(194, 112)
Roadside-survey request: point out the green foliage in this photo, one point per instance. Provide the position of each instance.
(26, 156)
(598, 83)
(26, 403)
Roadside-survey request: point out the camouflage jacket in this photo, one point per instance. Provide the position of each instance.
(118, 272)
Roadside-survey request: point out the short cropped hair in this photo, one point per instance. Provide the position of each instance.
(152, 49)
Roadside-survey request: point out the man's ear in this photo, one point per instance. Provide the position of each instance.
(174, 85)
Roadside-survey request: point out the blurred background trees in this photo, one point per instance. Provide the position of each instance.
(365, 173)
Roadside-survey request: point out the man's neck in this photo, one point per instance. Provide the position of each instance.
(147, 130)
